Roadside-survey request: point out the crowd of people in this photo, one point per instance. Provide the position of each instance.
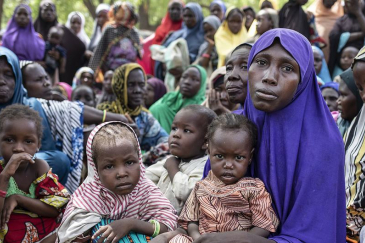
(241, 126)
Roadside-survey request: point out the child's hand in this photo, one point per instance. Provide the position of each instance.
(82, 238)
(9, 205)
(114, 231)
(14, 162)
(171, 162)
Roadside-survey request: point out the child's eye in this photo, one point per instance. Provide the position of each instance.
(239, 157)
(229, 68)
(173, 128)
(28, 141)
(218, 156)
(8, 140)
(187, 131)
(108, 167)
(130, 162)
(244, 67)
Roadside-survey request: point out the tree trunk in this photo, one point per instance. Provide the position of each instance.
(144, 16)
(91, 7)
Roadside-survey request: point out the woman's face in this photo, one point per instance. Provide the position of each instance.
(76, 24)
(87, 79)
(22, 17)
(102, 18)
(264, 23)
(135, 88)
(317, 61)
(48, 13)
(107, 83)
(236, 76)
(235, 20)
(209, 31)
(190, 82)
(347, 105)
(216, 10)
(224, 97)
(37, 82)
(330, 96)
(189, 18)
(149, 97)
(359, 77)
(274, 77)
(7, 81)
(175, 11)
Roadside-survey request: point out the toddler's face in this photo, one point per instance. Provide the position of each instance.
(55, 38)
(347, 57)
(118, 166)
(230, 154)
(18, 136)
(187, 136)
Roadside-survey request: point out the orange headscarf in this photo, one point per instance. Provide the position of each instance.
(123, 13)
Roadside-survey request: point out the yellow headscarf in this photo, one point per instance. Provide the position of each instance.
(226, 41)
(119, 86)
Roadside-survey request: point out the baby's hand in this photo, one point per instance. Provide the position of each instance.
(114, 231)
(9, 205)
(14, 162)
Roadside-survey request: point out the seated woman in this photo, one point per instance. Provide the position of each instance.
(286, 105)
(192, 91)
(349, 102)
(20, 36)
(207, 56)
(62, 122)
(230, 34)
(218, 8)
(354, 161)
(119, 43)
(218, 99)
(128, 86)
(320, 65)
(192, 30)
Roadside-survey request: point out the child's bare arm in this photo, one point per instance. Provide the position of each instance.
(172, 167)
(166, 237)
(193, 230)
(260, 231)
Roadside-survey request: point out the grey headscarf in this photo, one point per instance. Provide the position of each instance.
(212, 20)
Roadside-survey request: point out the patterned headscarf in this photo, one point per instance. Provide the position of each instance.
(119, 86)
(145, 202)
(360, 57)
(123, 13)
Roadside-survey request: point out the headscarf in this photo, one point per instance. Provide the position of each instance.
(331, 85)
(194, 36)
(297, 146)
(273, 2)
(348, 77)
(41, 26)
(66, 89)
(103, 7)
(292, 16)
(92, 199)
(216, 75)
(213, 21)
(325, 20)
(360, 57)
(225, 40)
(324, 74)
(120, 89)
(158, 87)
(82, 34)
(167, 25)
(77, 79)
(221, 4)
(165, 109)
(123, 13)
(24, 42)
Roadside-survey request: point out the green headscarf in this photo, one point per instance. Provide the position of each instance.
(165, 109)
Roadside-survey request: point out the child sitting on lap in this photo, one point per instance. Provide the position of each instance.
(176, 176)
(116, 202)
(226, 200)
(31, 198)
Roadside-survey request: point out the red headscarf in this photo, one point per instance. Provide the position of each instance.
(167, 25)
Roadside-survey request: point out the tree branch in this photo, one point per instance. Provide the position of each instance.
(91, 7)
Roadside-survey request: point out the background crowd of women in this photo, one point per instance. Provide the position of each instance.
(190, 59)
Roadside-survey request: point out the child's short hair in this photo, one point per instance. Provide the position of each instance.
(80, 87)
(109, 134)
(16, 112)
(231, 122)
(207, 114)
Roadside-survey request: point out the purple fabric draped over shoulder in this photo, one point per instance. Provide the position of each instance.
(26, 43)
(300, 154)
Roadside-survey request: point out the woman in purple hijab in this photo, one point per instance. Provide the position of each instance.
(300, 152)
(20, 36)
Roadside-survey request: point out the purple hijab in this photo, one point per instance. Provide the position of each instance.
(300, 154)
(24, 42)
(158, 86)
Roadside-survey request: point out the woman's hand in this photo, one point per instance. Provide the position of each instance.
(215, 103)
(14, 163)
(9, 205)
(114, 231)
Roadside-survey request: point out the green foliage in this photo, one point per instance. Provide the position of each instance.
(157, 9)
